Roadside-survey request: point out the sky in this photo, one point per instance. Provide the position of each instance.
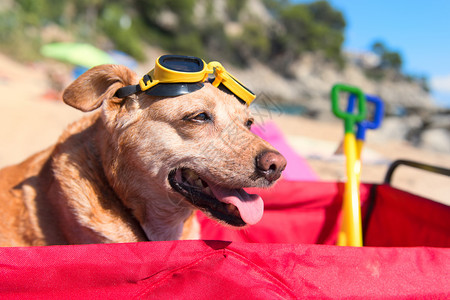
(418, 29)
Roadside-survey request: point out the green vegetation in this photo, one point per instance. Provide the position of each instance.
(314, 27)
(232, 32)
(18, 33)
(388, 59)
(391, 63)
(176, 26)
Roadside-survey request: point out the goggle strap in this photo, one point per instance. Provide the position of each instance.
(147, 82)
(146, 78)
(218, 75)
(217, 81)
(127, 91)
(133, 89)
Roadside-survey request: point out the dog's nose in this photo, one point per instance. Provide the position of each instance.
(270, 165)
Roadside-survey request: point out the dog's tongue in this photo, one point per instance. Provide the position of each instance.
(250, 206)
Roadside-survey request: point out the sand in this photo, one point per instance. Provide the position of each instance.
(32, 117)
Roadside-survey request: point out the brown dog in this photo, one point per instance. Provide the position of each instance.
(137, 168)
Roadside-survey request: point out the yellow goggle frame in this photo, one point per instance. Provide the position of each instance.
(165, 74)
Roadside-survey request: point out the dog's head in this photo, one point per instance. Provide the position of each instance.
(194, 150)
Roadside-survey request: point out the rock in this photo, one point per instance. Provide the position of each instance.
(404, 94)
(398, 128)
(437, 139)
(439, 120)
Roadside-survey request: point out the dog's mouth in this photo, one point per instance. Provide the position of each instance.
(232, 206)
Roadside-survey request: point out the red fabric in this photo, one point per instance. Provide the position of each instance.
(297, 213)
(401, 219)
(294, 212)
(309, 213)
(222, 270)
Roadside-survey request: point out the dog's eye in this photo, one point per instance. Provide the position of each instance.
(249, 123)
(200, 117)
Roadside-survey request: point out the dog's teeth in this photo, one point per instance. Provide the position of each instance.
(207, 190)
(231, 208)
(190, 176)
(199, 183)
(190, 173)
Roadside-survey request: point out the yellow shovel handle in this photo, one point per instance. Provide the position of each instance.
(358, 164)
(350, 233)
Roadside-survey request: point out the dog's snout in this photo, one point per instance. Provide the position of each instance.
(270, 165)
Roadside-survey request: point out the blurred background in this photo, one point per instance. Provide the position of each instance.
(290, 53)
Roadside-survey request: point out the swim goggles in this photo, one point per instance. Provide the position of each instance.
(176, 75)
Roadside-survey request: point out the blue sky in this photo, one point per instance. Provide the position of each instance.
(418, 29)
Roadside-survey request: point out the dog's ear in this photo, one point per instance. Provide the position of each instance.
(96, 85)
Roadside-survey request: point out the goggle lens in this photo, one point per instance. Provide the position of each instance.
(181, 63)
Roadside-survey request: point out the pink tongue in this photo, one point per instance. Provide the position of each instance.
(250, 206)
